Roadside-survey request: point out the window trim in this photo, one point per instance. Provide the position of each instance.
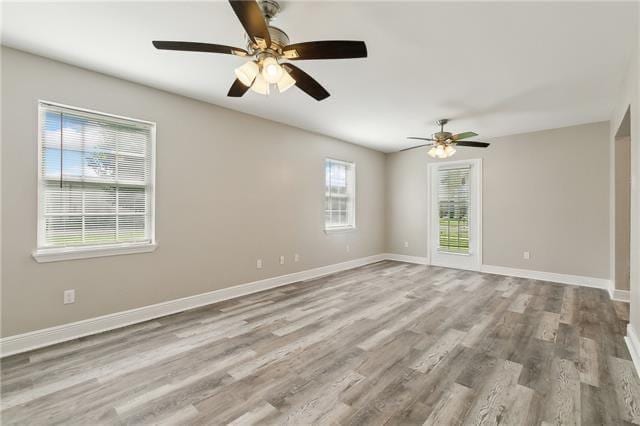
(87, 252)
(52, 254)
(456, 166)
(473, 260)
(346, 228)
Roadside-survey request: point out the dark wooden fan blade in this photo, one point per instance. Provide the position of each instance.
(250, 16)
(189, 46)
(420, 139)
(306, 83)
(329, 49)
(414, 147)
(472, 143)
(237, 89)
(463, 135)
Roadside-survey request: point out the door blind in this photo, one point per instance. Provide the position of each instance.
(95, 179)
(454, 200)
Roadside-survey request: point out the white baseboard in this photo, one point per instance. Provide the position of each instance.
(633, 344)
(619, 295)
(39, 338)
(527, 273)
(404, 258)
(548, 276)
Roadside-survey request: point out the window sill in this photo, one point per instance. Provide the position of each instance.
(440, 251)
(73, 253)
(339, 230)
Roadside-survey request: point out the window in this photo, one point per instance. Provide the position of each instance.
(454, 199)
(96, 183)
(340, 200)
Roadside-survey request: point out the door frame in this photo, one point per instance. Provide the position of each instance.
(622, 129)
(476, 246)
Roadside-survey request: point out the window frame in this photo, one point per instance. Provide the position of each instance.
(51, 254)
(351, 226)
(473, 259)
(470, 218)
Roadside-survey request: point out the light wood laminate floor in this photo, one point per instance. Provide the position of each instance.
(388, 343)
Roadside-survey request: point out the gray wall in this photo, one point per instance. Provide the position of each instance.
(544, 192)
(231, 188)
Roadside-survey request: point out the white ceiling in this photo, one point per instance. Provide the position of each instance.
(494, 68)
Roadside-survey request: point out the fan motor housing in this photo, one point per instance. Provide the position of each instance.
(278, 37)
(442, 135)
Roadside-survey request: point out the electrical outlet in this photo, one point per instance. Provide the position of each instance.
(259, 264)
(526, 255)
(406, 244)
(69, 296)
(348, 248)
(296, 257)
(282, 260)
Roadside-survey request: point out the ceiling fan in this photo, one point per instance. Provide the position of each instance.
(269, 48)
(443, 144)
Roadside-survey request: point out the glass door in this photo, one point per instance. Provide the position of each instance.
(455, 214)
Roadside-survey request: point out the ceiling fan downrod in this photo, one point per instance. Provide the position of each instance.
(270, 8)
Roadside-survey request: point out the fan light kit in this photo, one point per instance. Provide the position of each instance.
(443, 144)
(270, 48)
(260, 76)
(442, 151)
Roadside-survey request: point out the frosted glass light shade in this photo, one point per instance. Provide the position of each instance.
(260, 85)
(442, 151)
(286, 81)
(271, 70)
(247, 73)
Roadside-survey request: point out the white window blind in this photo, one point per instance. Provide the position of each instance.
(339, 211)
(454, 200)
(96, 179)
